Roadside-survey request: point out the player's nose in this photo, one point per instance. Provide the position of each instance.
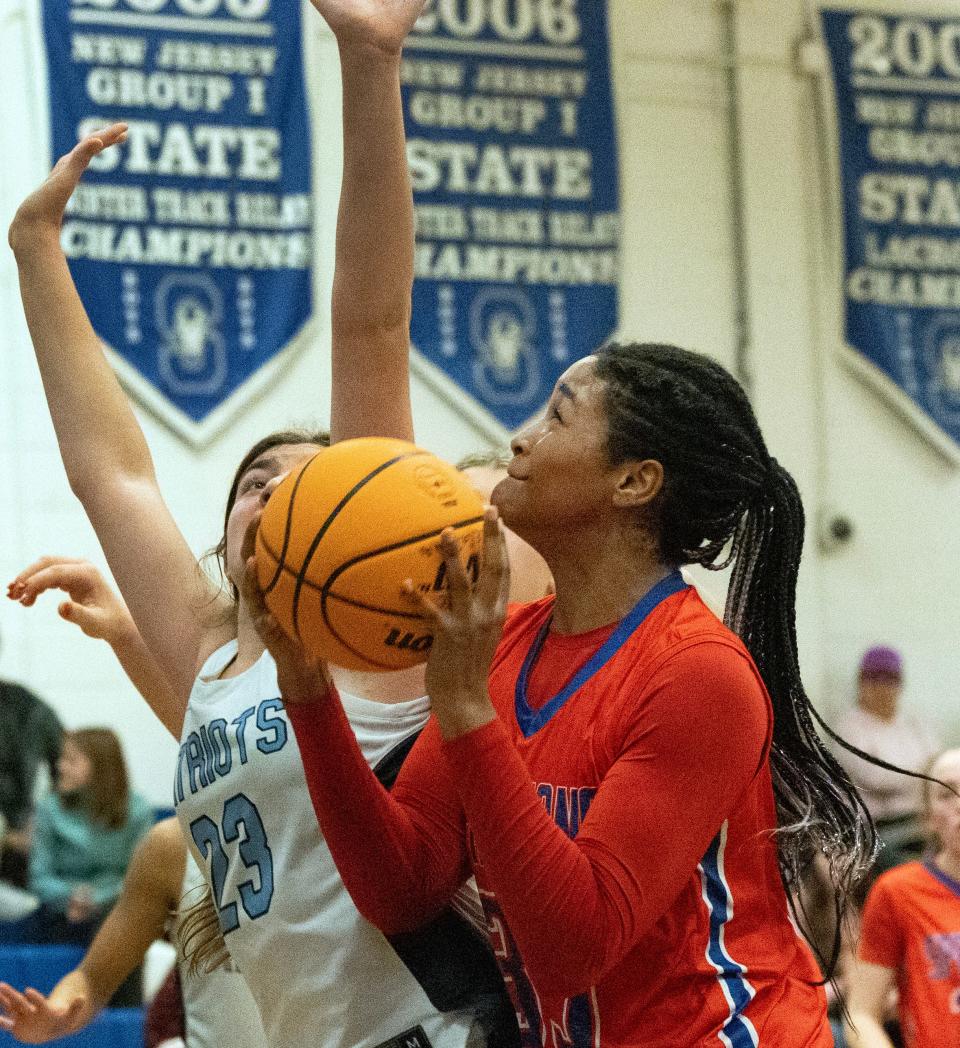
(521, 442)
(528, 437)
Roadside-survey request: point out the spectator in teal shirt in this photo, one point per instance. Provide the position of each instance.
(84, 835)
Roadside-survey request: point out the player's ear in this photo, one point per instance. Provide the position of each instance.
(638, 484)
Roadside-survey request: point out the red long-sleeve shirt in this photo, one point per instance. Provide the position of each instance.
(621, 840)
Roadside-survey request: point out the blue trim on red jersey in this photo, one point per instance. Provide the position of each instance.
(531, 720)
(944, 878)
(737, 1031)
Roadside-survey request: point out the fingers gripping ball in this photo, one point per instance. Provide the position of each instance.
(340, 535)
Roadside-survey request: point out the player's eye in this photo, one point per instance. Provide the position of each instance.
(252, 484)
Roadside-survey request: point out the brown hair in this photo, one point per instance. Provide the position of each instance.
(199, 935)
(929, 781)
(106, 798)
(273, 440)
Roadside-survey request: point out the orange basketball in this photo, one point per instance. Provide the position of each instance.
(341, 534)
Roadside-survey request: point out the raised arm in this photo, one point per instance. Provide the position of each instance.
(100, 613)
(373, 279)
(107, 460)
(150, 892)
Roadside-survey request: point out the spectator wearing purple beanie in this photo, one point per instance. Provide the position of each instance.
(878, 726)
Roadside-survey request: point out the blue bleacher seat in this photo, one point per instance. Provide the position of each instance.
(41, 967)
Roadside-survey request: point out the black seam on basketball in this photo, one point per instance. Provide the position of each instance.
(325, 591)
(282, 558)
(316, 587)
(398, 545)
(334, 513)
(343, 599)
(374, 607)
(335, 596)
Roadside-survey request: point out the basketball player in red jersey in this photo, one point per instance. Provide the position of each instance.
(630, 780)
(610, 762)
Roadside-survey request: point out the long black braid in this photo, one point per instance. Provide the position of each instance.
(723, 491)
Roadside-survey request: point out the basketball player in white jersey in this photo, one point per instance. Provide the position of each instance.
(316, 970)
(446, 961)
(218, 1009)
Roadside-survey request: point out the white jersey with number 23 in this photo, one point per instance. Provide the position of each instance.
(320, 974)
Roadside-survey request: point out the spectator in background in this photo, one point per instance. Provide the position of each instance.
(910, 935)
(878, 726)
(30, 737)
(85, 833)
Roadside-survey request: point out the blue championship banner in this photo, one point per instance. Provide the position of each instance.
(191, 243)
(513, 158)
(896, 81)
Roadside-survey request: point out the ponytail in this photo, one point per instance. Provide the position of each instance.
(199, 936)
(819, 811)
(723, 491)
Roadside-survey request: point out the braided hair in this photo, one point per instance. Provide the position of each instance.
(726, 500)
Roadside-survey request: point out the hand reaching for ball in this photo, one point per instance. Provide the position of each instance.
(302, 677)
(466, 632)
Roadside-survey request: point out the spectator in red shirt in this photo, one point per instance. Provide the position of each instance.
(910, 934)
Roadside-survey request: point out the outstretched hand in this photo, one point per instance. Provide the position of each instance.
(466, 632)
(45, 206)
(31, 1018)
(381, 24)
(302, 677)
(93, 605)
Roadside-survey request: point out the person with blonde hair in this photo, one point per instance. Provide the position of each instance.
(910, 933)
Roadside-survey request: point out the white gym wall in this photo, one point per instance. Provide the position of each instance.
(894, 582)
